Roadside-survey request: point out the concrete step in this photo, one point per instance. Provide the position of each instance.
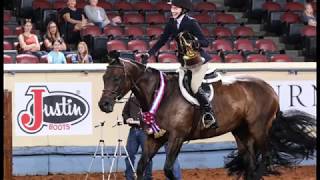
(293, 53)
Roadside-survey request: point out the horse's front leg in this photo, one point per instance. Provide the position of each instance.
(151, 147)
(174, 145)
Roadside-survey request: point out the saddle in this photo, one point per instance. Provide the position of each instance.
(185, 80)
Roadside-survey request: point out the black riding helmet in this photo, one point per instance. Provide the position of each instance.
(184, 4)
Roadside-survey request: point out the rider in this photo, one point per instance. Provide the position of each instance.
(182, 22)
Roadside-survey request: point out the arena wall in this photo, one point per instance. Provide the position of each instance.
(67, 148)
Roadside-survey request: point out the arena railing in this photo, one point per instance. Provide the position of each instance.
(291, 67)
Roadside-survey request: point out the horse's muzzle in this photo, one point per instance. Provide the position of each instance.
(106, 105)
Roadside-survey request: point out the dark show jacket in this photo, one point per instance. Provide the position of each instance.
(171, 31)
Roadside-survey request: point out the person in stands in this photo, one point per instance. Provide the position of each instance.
(28, 42)
(53, 34)
(55, 56)
(308, 15)
(97, 15)
(82, 55)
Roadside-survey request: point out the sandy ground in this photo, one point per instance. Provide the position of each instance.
(295, 173)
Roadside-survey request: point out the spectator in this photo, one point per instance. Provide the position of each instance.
(52, 35)
(98, 16)
(132, 116)
(83, 55)
(75, 22)
(28, 42)
(308, 15)
(55, 56)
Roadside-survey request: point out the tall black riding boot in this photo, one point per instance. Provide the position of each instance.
(208, 119)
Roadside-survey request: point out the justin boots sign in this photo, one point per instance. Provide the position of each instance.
(53, 109)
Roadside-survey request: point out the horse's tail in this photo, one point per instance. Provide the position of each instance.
(292, 138)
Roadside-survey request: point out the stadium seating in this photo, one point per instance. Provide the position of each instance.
(7, 59)
(167, 58)
(7, 45)
(116, 45)
(26, 59)
(137, 45)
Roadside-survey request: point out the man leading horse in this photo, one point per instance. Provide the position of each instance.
(196, 63)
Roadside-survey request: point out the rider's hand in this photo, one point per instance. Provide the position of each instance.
(144, 58)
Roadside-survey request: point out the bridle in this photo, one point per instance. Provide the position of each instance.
(117, 91)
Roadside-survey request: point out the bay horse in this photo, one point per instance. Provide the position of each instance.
(247, 107)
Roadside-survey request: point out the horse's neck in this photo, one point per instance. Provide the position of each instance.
(144, 88)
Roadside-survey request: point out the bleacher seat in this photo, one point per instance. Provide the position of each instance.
(7, 15)
(133, 31)
(243, 45)
(243, 31)
(280, 58)
(205, 6)
(116, 45)
(233, 58)
(142, 6)
(27, 59)
(221, 31)
(7, 45)
(138, 45)
(256, 58)
(167, 58)
(113, 31)
(290, 17)
(91, 31)
(154, 32)
(107, 6)
(215, 58)
(133, 18)
(41, 4)
(266, 45)
(137, 57)
(271, 6)
(203, 18)
(162, 6)
(7, 31)
(205, 31)
(294, 6)
(122, 6)
(165, 47)
(155, 19)
(43, 59)
(7, 59)
(223, 18)
(58, 5)
(222, 44)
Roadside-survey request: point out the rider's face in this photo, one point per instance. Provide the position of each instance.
(175, 11)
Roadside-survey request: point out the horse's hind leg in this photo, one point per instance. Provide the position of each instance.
(151, 147)
(174, 145)
(245, 162)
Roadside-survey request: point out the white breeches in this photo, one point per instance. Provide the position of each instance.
(198, 74)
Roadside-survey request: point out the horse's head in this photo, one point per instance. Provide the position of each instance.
(116, 84)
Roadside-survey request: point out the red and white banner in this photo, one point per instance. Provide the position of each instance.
(297, 94)
(53, 109)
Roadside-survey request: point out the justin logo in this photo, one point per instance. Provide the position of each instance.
(58, 110)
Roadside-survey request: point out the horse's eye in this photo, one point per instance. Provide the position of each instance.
(116, 79)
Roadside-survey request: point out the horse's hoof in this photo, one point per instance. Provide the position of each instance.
(160, 133)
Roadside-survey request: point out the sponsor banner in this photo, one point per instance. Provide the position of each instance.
(298, 94)
(53, 109)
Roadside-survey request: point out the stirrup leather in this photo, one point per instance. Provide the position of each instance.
(205, 123)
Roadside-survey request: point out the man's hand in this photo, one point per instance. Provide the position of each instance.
(131, 121)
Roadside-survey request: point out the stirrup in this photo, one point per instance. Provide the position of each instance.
(207, 124)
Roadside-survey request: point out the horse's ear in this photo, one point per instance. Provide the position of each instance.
(114, 57)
